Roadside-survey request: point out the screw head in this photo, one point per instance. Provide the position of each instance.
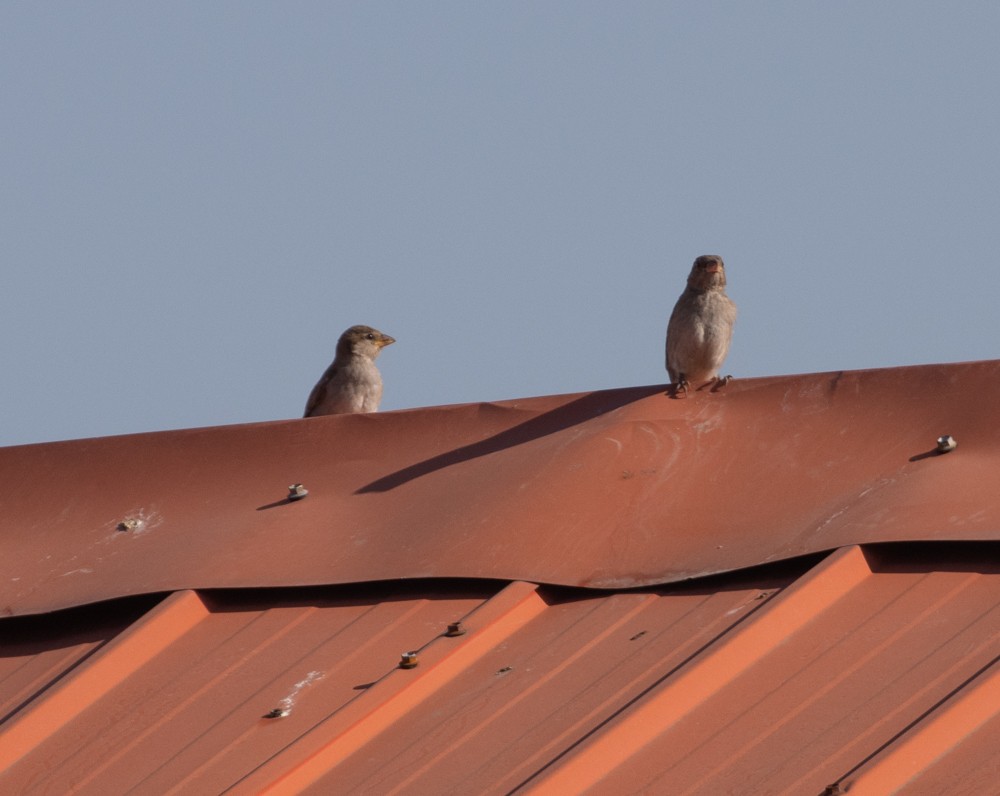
(408, 660)
(946, 443)
(297, 492)
(456, 629)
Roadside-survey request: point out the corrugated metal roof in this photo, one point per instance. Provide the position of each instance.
(644, 489)
(174, 625)
(875, 669)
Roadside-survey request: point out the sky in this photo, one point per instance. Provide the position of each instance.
(198, 198)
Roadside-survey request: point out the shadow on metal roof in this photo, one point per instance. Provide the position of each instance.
(782, 587)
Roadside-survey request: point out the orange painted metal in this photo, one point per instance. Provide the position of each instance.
(745, 647)
(393, 699)
(613, 489)
(208, 706)
(884, 659)
(873, 670)
(790, 590)
(98, 675)
(962, 716)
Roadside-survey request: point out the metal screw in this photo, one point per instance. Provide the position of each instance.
(277, 713)
(297, 492)
(456, 629)
(946, 443)
(128, 525)
(408, 660)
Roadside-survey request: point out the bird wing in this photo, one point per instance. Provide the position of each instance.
(675, 331)
(319, 391)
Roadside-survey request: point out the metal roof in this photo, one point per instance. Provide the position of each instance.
(873, 670)
(642, 488)
(173, 624)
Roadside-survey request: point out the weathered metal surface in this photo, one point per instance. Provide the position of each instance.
(621, 488)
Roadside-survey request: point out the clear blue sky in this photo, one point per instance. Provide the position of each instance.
(197, 198)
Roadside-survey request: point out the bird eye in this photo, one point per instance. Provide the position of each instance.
(370, 336)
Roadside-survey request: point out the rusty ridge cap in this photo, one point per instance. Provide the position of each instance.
(610, 489)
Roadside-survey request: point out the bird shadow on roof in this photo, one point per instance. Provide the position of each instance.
(577, 411)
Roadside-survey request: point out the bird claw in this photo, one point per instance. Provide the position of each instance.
(682, 388)
(720, 381)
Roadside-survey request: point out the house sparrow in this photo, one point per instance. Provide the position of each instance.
(352, 383)
(701, 326)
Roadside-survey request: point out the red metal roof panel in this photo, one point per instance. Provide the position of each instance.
(874, 670)
(641, 488)
(846, 664)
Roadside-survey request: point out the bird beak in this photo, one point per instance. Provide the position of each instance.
(385, 340)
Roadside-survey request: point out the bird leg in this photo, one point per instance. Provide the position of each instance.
(681, 386)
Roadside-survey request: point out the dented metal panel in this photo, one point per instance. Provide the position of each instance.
(613, 489)
(174, 619)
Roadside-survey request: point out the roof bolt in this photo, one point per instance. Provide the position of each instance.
(277, 713)
(297, 492)
(408, 660)
(456, 629)
(127, 525)
(946, 443)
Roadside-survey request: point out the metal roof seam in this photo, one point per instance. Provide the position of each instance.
(942, 728)
(400, 691)
(872, 668)
(99, 674)
(612, 745)
(577, 655)
(880, 665)
(879, 646)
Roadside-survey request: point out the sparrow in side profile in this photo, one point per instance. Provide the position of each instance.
(352, 383)
(700, 327)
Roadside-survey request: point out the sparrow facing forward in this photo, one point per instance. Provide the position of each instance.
(352, 383)
(701, 326)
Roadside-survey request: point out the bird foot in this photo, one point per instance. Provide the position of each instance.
(719, 382)
(681, 388)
